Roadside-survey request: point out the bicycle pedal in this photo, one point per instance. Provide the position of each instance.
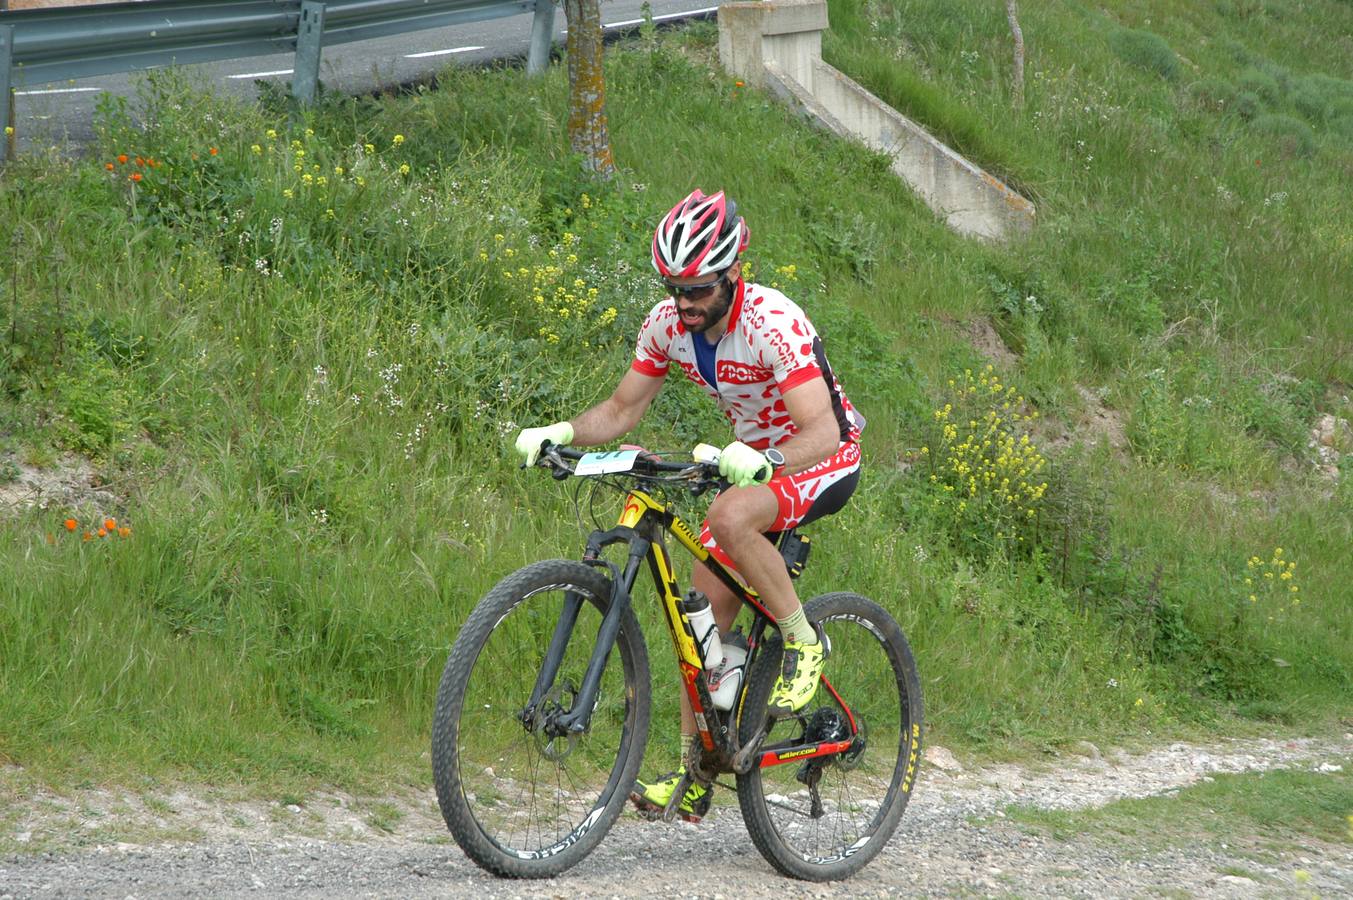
(651, 812)
(645, 809)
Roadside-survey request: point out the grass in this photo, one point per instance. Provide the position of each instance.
(1260, 813)
(297, 349)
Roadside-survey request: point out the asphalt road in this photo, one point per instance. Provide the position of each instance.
(61, 113)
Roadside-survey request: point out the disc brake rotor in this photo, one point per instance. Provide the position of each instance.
(557, 701)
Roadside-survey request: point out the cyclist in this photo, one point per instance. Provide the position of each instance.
(796, 455)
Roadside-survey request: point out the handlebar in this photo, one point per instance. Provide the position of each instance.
(700, 476)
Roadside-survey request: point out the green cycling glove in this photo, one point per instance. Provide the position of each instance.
(530, 439)
(744, 466)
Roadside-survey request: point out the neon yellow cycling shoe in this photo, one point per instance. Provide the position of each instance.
(799, 675)
(652, 798)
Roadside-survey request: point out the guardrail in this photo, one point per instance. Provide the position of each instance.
(38, 46)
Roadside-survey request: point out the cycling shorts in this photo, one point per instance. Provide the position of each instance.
(805, 496)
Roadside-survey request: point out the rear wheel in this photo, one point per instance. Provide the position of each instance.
(520, 802)
(825, 818)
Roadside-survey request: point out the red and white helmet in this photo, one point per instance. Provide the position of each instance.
(700, 236)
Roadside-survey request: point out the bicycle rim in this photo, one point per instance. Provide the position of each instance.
(519, 802)
(860, 794)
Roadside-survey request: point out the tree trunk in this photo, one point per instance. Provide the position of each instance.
(1017, 87)
(587, 134)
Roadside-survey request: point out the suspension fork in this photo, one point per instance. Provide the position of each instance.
(578, 717)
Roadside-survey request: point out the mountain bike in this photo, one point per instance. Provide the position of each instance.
(542, 712)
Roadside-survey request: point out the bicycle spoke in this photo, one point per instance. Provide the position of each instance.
(825, 817)
(517, 797)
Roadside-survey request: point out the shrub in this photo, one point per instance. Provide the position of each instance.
(1276, 409)
(1270, 589)
(1293, 136)
(1342, 126)
(1262, 84)
(1247, 105)
(1146, 50)
(1339, 108)
(1213, 94)
(846, 243)
(1309, 103)
(1329, 86)
(1322, 97)
(987, 475)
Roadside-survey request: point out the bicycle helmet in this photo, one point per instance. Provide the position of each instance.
(700, 236)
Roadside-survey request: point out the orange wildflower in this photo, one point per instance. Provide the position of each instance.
(87, 536)
(140, 161)
(103, 532)
(124, 531)
(212, 151)
(136, 176)
(122, 158)
(71, 524)
(108, 166)
(110, 524)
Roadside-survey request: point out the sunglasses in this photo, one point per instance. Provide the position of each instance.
(694, 291)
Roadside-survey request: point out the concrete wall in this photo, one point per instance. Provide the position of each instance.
(777, 45)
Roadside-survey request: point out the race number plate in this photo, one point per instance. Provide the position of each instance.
(607, 462)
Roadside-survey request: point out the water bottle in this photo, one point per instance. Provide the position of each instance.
(701, 616)
(726, 678)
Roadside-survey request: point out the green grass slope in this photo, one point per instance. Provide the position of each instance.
(296, 348)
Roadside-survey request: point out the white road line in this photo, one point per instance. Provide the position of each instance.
(678, 15)
(262, 74)
(440, 52)
(56, 91)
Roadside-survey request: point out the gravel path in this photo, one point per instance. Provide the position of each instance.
(952, 842)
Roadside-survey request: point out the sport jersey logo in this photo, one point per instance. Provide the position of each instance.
(734, 372)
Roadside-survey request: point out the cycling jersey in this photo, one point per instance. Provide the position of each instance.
(768, 348)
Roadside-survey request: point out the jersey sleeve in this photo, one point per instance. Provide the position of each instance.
(786, 341)
(655, 337)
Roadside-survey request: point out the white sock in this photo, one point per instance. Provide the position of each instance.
(795, 628)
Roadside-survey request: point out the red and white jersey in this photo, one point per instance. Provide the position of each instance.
(769, 348)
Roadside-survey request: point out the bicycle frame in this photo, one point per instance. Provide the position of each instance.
(643, 522)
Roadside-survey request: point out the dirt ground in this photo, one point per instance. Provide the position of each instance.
(956, 840)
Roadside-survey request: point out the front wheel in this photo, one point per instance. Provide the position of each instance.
(824, 818)
(523, 801)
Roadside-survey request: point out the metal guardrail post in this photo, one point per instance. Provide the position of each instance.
(6, 96)
(309, 44)
(542, 38)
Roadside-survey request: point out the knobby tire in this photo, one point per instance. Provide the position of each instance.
(519, 804)
(862, 797)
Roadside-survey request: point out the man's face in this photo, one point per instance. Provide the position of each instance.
(702, 303)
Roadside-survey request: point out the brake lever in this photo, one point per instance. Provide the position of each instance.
(549, 455)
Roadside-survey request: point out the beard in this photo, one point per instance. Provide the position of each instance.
(710, 318)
